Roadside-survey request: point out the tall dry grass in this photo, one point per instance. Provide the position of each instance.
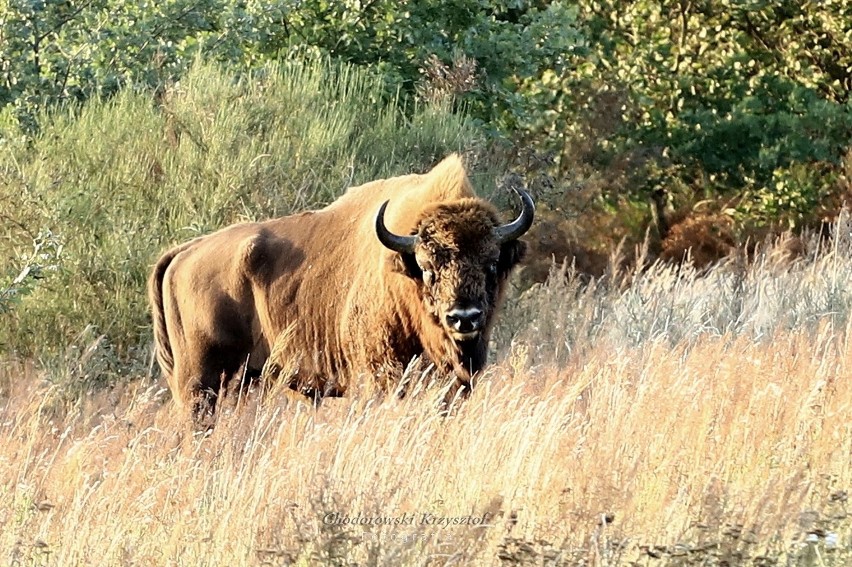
(682, 419)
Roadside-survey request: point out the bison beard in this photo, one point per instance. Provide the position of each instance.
(472, 358)
(394, 269)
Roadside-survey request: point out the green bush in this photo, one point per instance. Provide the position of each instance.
(629, 109)
(67, 50)
(721, 96)
(60, 51)
(119, 180)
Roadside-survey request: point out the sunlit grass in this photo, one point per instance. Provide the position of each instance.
(677, 419)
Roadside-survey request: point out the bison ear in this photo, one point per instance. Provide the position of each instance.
(406, 264)
(511, 253)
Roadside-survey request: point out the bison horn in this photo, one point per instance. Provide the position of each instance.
(401, 244)
(520, 225)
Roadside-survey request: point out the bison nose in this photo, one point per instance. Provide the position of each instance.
(465, 320)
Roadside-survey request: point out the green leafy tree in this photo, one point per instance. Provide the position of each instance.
(699, 98)
(709, 96)
(60, 51)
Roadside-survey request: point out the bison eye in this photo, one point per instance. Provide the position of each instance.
(492, 269)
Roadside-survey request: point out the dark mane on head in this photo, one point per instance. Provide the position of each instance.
(458, 223)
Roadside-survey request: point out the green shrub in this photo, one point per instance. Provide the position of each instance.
(117, 181)
(60, 50)
(722, 97)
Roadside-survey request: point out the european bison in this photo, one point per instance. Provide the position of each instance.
(393, 269)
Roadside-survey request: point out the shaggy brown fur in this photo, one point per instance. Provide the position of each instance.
(349, 305)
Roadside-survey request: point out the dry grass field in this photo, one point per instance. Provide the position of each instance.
(680, 419)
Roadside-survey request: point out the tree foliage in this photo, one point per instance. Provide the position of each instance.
(58, 50)
(743, 99)
(721, 96)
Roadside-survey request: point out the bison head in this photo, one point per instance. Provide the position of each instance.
(460, 256)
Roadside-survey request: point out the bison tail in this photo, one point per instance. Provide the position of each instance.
(162, 345)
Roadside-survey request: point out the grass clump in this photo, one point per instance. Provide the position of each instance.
(756, 296)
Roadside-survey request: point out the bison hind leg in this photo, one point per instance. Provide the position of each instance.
(208, 381)
(204, 409)
(205, 397)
